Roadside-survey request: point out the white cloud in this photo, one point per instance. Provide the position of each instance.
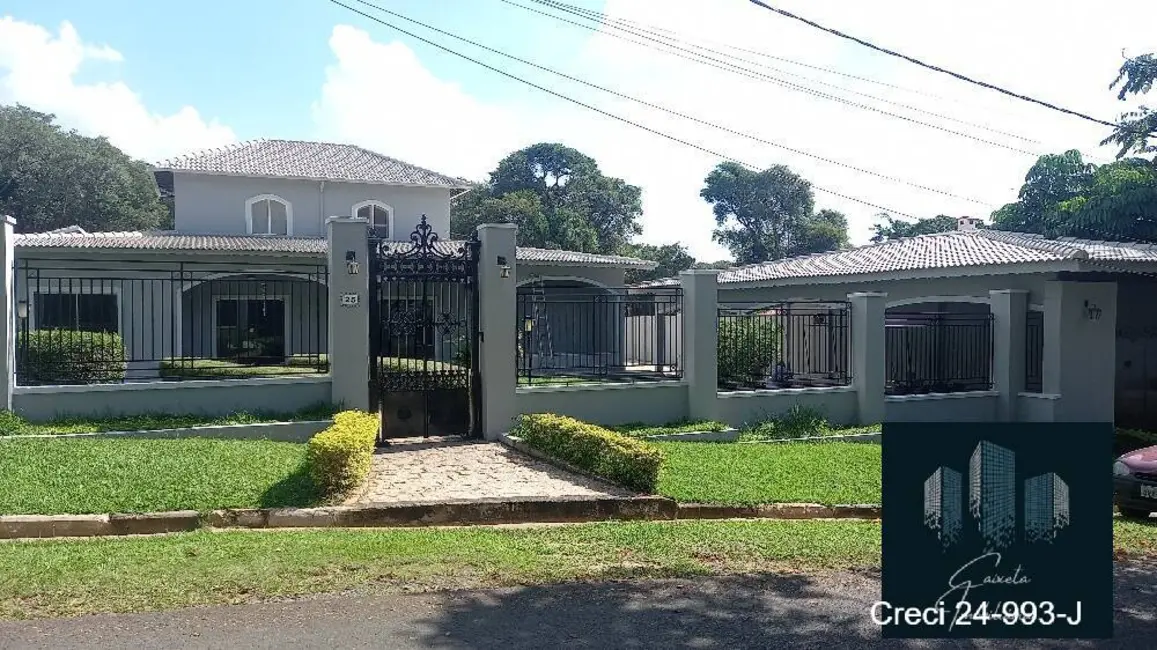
(379, 95)
(382, 95)
(38, 69)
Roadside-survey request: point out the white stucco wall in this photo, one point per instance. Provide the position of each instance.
(211, 204)
(608, 405)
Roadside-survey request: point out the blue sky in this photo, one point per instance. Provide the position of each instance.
(162, 78)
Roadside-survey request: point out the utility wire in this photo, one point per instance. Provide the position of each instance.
(601, 111)
(598, 16)
(929, 66)
(758, 76)
(669, 111)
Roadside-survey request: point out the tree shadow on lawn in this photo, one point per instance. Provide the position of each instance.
(754, 611)
(296, 490)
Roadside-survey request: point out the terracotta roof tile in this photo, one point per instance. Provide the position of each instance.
(300, 159)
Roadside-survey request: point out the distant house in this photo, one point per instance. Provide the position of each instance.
(939, 317)
(241, 279)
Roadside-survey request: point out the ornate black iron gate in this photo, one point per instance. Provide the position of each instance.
(424, 377)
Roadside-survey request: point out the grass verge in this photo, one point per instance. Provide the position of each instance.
(69, 577)
(97, 476)
(641, 430)
(14, 425)
(735, 474)
(73, 577)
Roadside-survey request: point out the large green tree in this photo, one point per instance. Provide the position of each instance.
(1137, 127)
(670, 258)
(769, 214)
(1063, 196)
(889, 227)
(558, 197)
(51, 178)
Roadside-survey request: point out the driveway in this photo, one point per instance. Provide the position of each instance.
(795, 611)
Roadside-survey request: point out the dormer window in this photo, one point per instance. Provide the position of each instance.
(269, 214)
(380, 216)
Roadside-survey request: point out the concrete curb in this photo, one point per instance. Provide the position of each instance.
(852, 437)
(777, 511)
(516, 443)
(408, 515)
(278, 431)
(724, 435)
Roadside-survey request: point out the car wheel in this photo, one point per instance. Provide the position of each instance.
(1134, 513)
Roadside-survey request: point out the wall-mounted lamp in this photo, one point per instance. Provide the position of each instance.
(22, 309)
(352, 266)
(503, 267)
(1092, 311)
(527, 324)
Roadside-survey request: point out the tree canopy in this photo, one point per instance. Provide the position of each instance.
(559, 199)
(1063, 196)
(889, 227)
(51, 178)
(671, 259)
(1136, 127)
(769, 214)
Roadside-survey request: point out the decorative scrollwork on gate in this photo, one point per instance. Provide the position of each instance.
(426, 257)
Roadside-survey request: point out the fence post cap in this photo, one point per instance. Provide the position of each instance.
(8, 219)
(868, 294)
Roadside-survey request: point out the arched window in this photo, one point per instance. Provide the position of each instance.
(269, 214)
(380, 216)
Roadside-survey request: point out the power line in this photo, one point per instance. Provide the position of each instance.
(929, 66)
(601, 111)
(669, 111)
(758, 76)
(668, 34)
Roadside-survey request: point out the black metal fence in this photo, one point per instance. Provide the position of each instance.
(938, 352)
(784, 345)
(1034, 354)
(569, 335)
(80, 322)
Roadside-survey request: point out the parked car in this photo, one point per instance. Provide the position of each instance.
(1135, 483)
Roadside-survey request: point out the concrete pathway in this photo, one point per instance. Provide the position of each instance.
(794, 611)
(450, 469)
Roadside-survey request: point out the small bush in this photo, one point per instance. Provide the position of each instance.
(58, 357)
(748, 349)
(604, 453)
(796, 422)
(339, 457)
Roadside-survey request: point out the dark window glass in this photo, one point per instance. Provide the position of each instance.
(85, 312)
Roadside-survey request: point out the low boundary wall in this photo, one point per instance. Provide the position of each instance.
(212, 397)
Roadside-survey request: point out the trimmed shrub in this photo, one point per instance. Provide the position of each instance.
(604, 453)
(797, 422)
(193, 368)
(339, 457)
(748, 348)
(57, 357)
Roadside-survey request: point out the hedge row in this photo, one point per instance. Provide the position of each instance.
(58, 357)
(339, 457)
(631, 463)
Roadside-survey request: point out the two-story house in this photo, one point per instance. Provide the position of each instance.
(240, 282)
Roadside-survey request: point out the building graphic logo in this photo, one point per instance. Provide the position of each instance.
(1046, 507)
(996, 530)
(992, 497)
(944, 504)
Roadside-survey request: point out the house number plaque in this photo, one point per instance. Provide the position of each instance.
(350, 300)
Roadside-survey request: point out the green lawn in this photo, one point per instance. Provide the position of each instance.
(640, 430)
(62, 577)
(70, 577)
(739, 474)
(12, 424)
(94, 475)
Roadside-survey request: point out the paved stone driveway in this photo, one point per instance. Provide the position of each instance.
(452, 469)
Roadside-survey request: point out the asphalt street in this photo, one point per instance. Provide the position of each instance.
(782, 611)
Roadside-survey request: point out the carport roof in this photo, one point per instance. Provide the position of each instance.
(972, 251)
(77, 239)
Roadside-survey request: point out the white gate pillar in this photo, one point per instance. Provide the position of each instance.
(498, 331)
(349, 311)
